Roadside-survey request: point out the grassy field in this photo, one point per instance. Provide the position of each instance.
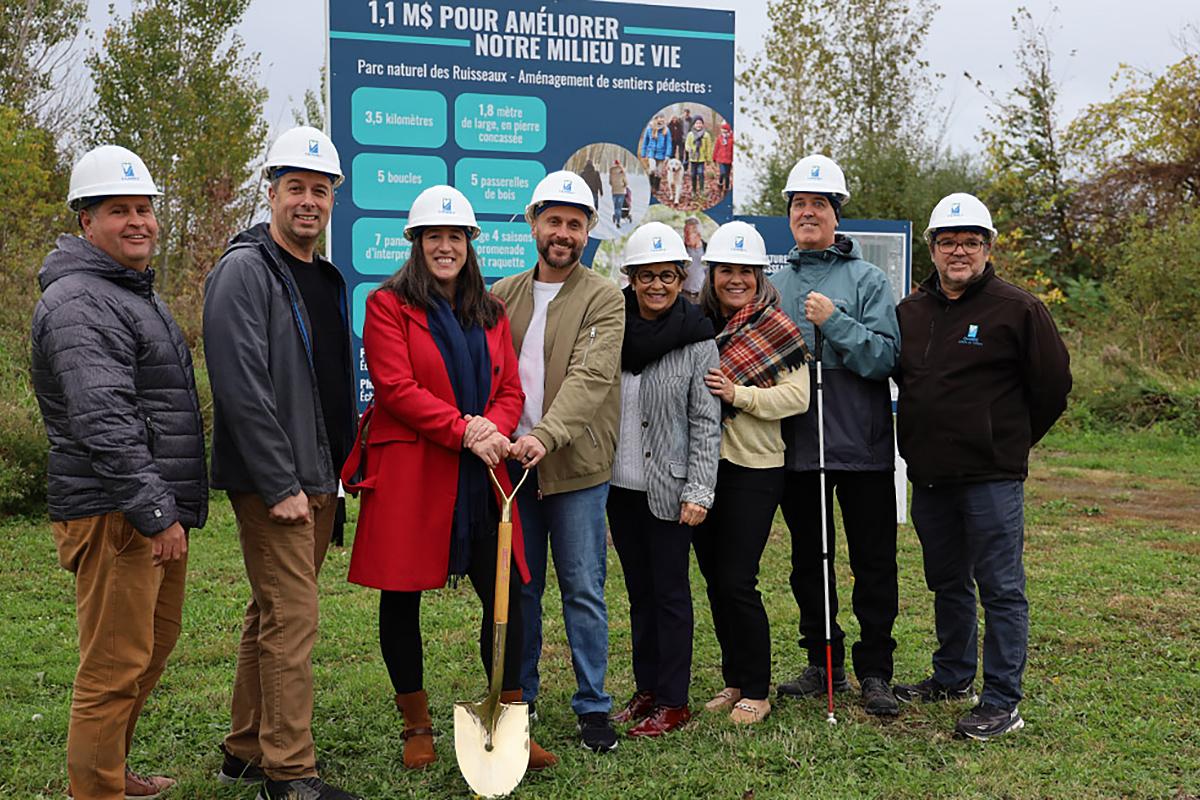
(1112, 688)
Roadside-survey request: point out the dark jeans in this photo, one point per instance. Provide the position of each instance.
(729, 546)
(724, 177)
(697, 172)
(972, 535)
(655, 556)
(868, 503)
(400, 624)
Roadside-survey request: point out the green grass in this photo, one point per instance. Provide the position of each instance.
(1112, 688)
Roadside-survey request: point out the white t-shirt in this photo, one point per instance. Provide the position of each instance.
(532, 363)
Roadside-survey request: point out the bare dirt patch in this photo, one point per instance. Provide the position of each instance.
(1114, 495)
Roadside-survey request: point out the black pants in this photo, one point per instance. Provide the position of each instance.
(868, 503)
(655, 556)
(729, 546)
(400, 624)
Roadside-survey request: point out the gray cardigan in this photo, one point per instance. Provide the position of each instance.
(681, 430)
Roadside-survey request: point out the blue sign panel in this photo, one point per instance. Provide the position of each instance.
(492, 95)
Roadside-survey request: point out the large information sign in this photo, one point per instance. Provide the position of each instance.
(491, 95)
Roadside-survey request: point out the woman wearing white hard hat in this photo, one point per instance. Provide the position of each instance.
(761, 380)
(447, 397)
(664, 471)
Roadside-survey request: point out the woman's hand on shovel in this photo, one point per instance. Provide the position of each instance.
(478, 429)
(492, 449)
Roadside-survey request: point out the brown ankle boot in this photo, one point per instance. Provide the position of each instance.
(539, 757)
(418, 729)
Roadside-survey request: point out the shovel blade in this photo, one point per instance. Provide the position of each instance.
(495, 772)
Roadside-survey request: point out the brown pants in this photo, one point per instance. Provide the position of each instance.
(273, 690)
(129, 614)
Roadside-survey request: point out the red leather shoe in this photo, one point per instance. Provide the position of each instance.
(640, 706)
(662, 720)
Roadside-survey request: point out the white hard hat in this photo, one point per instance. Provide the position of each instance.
(562, 188)
(817, 174)
(737, 242)
(654, 243)
(305, 148)
(441, 205)
(108, 171)
(959, 210)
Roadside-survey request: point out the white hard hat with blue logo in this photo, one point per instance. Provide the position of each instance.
(562, 188)
(737, 242)
(304, 148)
(109, 171)
(817, 174)
(437, 206)
(959, 210)
(654, 243)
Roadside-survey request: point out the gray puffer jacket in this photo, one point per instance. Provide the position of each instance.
(269, 432)
(114, 381)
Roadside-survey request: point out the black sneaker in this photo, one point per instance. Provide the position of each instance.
(930, 691)
(987, 721)
(877, 698)
(596, 732)
(302, 789)
(811, 683)
(234, 770)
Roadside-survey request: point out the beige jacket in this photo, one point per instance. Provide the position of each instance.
(585, 324)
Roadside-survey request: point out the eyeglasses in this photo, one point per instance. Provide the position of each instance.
(645, 277)
(948, 246)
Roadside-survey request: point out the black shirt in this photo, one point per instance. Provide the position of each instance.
(321, 292)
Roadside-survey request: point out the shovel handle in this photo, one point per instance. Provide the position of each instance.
(503, 569)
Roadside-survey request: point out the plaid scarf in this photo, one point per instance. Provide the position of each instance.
(756, 345)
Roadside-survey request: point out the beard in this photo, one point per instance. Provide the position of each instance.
(543, 248)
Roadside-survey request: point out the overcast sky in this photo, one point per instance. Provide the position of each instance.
(970, 35)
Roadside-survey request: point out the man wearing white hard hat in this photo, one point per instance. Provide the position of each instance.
(277, 341)
(983, 375)
(845, 307)
(567, 324)
(114, 381)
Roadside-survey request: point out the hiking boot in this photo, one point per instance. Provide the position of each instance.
(877, 698)
(596, 732)
(811, 683)
(930, 691)
(987, 721)
(302, 789)
(234, 770)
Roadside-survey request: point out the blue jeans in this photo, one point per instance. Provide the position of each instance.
(618, 207)
(572, 524)
(972, 535)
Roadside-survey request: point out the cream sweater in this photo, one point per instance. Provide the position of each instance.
(751, 439)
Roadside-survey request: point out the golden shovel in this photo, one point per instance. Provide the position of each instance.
(491, 739)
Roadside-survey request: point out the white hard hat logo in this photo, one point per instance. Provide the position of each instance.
(956, 210)
(739, 243)
(815, 172)
(656, 243)
(447, 205)
(127, 170)
(314, 147)
(568, 186)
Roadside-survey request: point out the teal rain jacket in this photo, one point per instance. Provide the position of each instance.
(860, 350)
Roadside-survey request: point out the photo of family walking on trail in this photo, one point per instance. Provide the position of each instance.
(687, 150)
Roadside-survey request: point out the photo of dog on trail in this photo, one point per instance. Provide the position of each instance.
(687, 151)
(619, 184)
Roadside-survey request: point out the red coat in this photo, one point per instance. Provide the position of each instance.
(414, 440)
(723, 149)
